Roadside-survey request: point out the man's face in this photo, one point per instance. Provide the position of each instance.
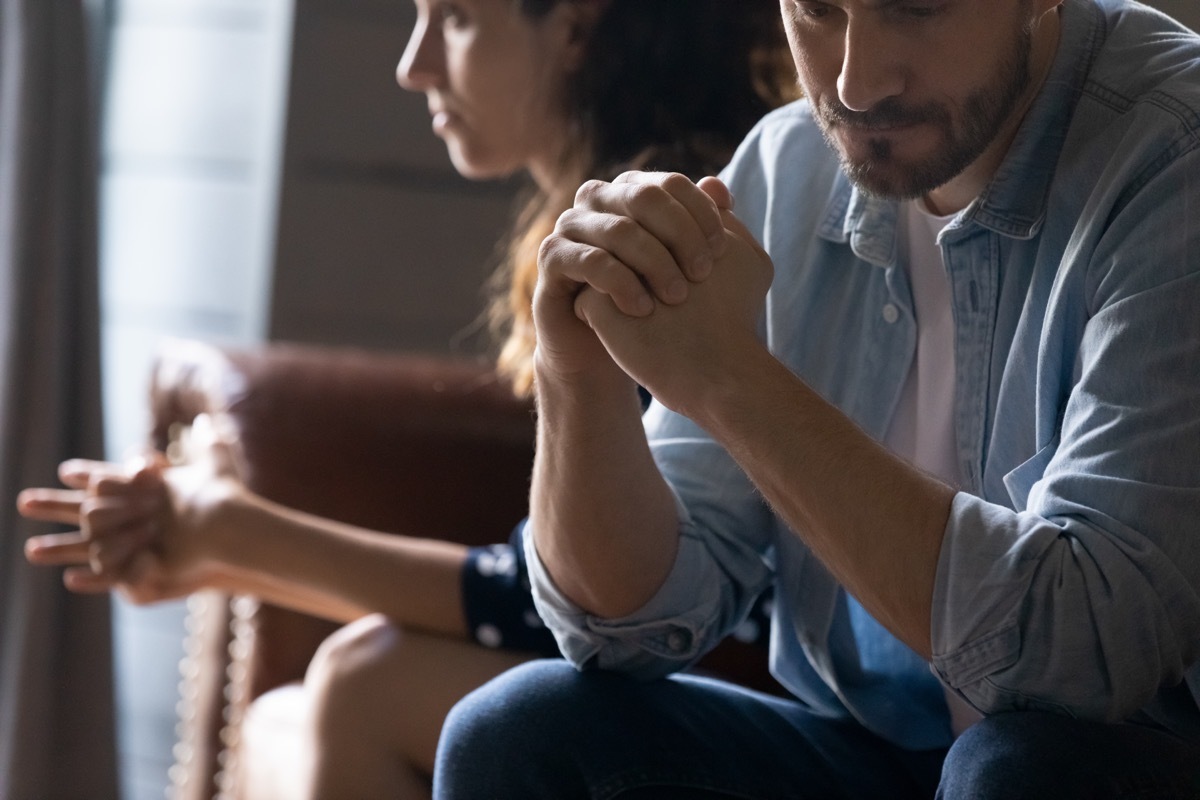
(910, 93)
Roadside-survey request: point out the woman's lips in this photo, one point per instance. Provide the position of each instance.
(442, 121)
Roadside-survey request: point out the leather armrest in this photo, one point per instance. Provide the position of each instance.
(405, 443)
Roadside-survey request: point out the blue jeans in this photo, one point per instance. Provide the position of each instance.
(545, 731)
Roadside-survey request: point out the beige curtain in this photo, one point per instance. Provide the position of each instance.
(56, 686)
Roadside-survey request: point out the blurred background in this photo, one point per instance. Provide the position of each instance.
(262, 177)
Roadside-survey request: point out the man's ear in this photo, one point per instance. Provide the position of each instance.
(578, 18)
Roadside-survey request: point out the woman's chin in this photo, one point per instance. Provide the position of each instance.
(478, 169)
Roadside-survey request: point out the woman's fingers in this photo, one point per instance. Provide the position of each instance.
(96, 478)
(108, 557)
(98, 566)
(77, 473)
(51, 505)
(82, 580)
(118, 509)
(105, 515)
(57, 549)
(112, 554)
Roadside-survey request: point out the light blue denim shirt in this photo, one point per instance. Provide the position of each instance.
(1069, 576)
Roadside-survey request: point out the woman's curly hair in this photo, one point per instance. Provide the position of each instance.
(670, 85)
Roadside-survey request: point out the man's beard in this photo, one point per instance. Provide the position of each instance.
(983, 116)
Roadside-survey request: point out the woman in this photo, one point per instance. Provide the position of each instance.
(563, 90)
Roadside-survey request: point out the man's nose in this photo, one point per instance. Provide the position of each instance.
(869, 72)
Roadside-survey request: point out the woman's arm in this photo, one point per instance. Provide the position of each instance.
(162, 532)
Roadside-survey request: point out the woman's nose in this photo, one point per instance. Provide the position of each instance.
(420, 66)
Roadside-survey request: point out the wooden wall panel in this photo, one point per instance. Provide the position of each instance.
(381, 243)
(383, 265)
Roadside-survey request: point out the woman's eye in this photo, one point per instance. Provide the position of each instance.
(451, 15)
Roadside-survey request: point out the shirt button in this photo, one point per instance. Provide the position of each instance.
(489, 635)
(890, 314)
(678, 641)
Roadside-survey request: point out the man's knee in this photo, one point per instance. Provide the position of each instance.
(987, 762)
(1038, 754)
(535, 701)
(532, 731)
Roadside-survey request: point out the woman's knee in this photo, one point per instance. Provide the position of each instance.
(350, 665)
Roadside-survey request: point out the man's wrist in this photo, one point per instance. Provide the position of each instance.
(603, 379)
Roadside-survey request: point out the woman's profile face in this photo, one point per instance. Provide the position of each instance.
(492, 77)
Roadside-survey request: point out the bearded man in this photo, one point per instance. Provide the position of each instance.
(960, 433)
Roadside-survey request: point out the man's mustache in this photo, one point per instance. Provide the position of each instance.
(888, 113)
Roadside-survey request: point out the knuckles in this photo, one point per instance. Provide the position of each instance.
(675, 182)
(589, 191)
(643, 197)
(640, 191)
(616, 226)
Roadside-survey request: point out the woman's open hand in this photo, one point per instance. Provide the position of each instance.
(142, 526)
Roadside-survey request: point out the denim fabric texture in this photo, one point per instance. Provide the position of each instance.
(1069, 578)
(544, 731)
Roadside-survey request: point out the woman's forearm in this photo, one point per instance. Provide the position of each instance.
(334, 570)
(294, 596)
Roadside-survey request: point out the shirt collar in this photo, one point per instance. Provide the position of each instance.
(1014, 202)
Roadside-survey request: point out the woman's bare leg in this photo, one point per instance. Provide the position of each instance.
(378, 696)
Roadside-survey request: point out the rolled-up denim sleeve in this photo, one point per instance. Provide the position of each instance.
(1086, 598)
(719, 570)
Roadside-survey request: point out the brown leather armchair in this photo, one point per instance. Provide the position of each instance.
(400, 443)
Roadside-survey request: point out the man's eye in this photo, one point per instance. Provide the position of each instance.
(810, 10)
(919, 12)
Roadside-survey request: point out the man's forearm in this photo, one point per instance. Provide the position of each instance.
(603, 520)
(875, 521)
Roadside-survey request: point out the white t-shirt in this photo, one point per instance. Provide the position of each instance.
(923, 429)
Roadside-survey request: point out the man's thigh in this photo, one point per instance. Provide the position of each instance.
(1035, 754)
(545, 730)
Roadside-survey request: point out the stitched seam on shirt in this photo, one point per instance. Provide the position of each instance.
(1026, 702)
(1187, 116)
(1107, 97)
(1002, 655)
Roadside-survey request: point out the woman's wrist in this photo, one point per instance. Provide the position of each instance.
(208, 513)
